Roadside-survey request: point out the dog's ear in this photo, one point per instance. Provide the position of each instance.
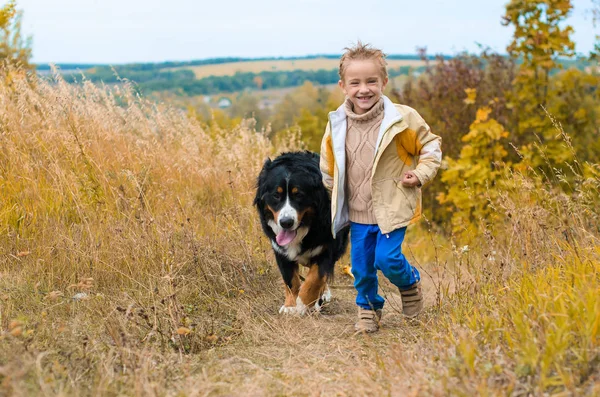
(324, 205)
(323, 202)
(260, 181)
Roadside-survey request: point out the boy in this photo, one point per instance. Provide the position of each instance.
(375, 157)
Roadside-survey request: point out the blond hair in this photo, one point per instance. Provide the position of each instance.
(361, 52)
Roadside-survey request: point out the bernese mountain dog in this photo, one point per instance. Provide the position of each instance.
(295, 212)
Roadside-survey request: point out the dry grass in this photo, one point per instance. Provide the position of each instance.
(229, 69)
(132, 263)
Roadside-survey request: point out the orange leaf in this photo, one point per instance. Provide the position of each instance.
(183, 331)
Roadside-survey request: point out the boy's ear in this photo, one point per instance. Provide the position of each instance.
(341, 85)
(385, 81)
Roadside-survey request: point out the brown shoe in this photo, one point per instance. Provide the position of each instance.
(412, 300)
(368, 320)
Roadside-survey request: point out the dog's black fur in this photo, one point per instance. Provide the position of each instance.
(295, 178)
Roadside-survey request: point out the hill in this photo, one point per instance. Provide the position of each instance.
(276, 65)
(133, 263)
(224, 75)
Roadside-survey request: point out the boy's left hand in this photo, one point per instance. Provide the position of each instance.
(410, 179)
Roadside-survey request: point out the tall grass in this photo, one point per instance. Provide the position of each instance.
(526, 316)
(132, 204)
(132, 263)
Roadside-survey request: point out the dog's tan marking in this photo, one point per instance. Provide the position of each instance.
(313, 287)
(292, 293)
(295, 190)
(309, 210)
(275, 213)
(279, 190)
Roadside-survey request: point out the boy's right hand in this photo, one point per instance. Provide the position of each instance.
(410, 179)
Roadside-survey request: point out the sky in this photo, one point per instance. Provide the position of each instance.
(125, 31)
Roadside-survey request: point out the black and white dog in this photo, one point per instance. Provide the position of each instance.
(295, 213)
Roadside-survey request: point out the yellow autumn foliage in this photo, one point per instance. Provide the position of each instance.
(471, 177)
(7, 12)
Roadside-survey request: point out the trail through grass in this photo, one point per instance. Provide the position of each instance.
(132, 263)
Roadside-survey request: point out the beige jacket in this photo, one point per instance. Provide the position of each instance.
(404, 143)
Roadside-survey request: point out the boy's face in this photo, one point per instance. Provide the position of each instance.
(363, 83)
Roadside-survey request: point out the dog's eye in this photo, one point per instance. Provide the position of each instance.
(277, 196)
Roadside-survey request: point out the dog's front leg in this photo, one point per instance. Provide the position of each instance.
(311, 290)
(291, 295)
(291, 281)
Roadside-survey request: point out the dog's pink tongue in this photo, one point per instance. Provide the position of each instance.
(285, 237)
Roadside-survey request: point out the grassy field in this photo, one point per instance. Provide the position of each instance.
(229, 69)
(132, 263)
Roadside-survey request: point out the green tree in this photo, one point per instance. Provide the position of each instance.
(246, 105)
(290, 107)
(312, 123)
(312, 126)
(308, 108)
(14, 49)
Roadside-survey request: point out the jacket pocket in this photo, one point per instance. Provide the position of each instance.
(406, 200)
(394, 205)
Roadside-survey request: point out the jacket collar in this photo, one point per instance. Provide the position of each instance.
(337, 118)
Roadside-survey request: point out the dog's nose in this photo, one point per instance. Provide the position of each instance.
(286, 223)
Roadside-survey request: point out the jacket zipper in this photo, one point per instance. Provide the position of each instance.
(377, 150)
(394, 121)
(338, 175)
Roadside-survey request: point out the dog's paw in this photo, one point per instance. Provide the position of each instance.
(290, 310)
(317, 307)
(300, 309)
(326, 297)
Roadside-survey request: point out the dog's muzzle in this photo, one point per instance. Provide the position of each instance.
(286, 222)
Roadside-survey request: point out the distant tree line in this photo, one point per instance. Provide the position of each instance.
(109, 75)
(208, 61)
(184, 82)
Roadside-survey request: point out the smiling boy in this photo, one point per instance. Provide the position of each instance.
(375, 157)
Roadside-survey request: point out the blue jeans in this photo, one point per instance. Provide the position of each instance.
(371, 251)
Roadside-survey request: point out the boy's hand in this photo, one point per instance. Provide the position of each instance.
(409, 179)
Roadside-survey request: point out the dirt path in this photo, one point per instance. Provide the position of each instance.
(319, 354)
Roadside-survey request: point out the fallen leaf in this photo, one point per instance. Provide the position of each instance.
(14, 323)
(347, 270)
(16, 331)
(211, 338)
(183, 331)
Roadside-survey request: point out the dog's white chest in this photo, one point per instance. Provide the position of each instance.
(292, 252)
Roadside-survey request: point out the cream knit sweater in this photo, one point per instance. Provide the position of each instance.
(361, 138)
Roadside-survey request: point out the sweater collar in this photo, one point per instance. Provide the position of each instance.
(372, 113)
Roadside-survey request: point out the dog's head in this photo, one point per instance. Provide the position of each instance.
(290, 194)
